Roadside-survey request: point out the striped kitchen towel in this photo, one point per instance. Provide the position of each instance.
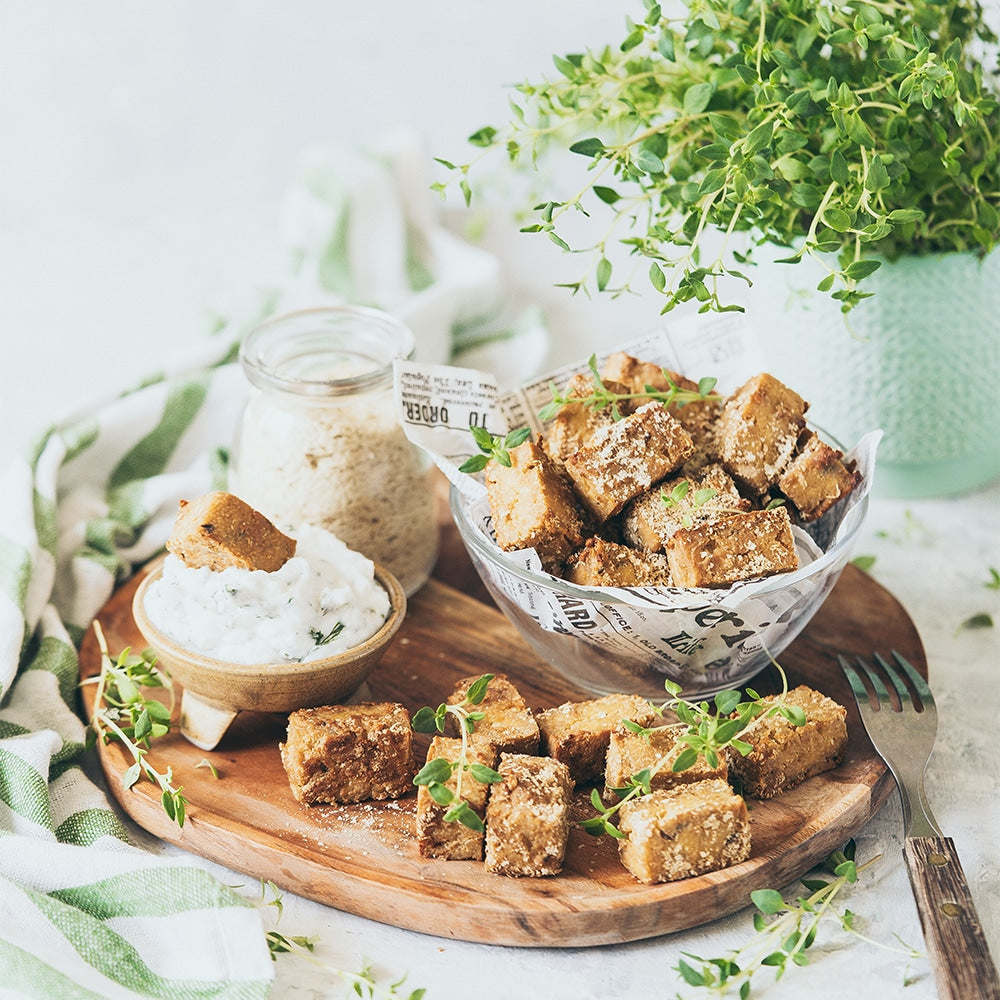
(83, 912)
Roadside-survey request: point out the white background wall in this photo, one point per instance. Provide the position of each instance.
(146, 147)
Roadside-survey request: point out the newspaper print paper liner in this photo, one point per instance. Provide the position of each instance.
(617, 639)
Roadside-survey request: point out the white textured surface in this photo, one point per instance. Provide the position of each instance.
(146, 149)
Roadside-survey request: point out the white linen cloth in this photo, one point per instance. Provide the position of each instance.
(83, 912)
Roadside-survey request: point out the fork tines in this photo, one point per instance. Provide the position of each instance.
(923, 694)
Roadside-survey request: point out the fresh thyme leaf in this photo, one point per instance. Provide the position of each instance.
(205, 762)
(429, 720)
(981, 620)
(477, 689)
(322, 638)
(864, 563)
(436, 770)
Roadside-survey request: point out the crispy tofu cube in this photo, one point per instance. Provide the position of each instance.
(349, 753)
(740, 547)
(528, 816)
(578, 732)
(759, 429)
(634, 375)
(533, 506)
(508, 724)
(626, 458)
(601, 563)
(783, 755)
(629, 753)
(219, 530)
(681, 501)
(816, 478)
(576, 423)
(449, 839)
(683, 831)
(700, 418)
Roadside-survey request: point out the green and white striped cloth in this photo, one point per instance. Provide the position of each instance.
(83, 913)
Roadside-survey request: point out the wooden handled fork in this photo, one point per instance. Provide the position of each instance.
(902, 726)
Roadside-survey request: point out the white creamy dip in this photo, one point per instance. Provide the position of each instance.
(324, 600)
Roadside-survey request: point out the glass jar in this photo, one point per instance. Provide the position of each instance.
(320, 442)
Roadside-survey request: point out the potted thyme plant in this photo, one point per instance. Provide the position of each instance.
(858, 140)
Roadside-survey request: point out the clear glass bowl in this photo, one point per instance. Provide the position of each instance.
(615, 640)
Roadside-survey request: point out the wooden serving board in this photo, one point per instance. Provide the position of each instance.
(363, 858)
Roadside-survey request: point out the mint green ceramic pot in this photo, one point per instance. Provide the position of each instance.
(920, 359)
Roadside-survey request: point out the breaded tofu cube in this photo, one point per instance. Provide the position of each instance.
(697, 417)
(575, 423)
(700, 418)
(601, 563)
(349, 753)
(578, 732)
(219, 530)
(759, 430)
(528, 816)
(683, 831)
(657, 748)
(507, 723)
(626, 458)
(783, 755)
(743, 546)
(635, 375)
(816, 478)
(681, 501)
(533, 506)
(449, 839)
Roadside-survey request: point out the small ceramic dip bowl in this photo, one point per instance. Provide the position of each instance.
(215, 691)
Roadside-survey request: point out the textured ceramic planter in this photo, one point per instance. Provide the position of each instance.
(920, 359)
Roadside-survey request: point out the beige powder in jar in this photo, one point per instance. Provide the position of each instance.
(321, 444)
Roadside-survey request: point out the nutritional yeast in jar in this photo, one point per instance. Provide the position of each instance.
(320, 442)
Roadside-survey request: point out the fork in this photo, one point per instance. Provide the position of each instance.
(902, 730)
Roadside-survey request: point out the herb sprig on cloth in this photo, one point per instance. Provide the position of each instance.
(123, 713)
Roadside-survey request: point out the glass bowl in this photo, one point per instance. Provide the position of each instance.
(608, 640)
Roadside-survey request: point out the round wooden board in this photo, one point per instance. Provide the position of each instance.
(363, 859)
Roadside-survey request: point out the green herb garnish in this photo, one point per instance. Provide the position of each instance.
(363, 983)
(784, 932)
(493, 446)
(837, 130)
(322, 638)
(711, 728)
(123, 713)
(600, 397)
(435, 773)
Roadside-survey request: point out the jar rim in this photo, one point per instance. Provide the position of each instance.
(296, 352)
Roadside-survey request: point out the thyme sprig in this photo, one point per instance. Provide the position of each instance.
(122, 712)
(493, 446)
(711, 728)
(435, 773)
(785, 931)
(363, 983)
(836, 129)
(601, 397)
